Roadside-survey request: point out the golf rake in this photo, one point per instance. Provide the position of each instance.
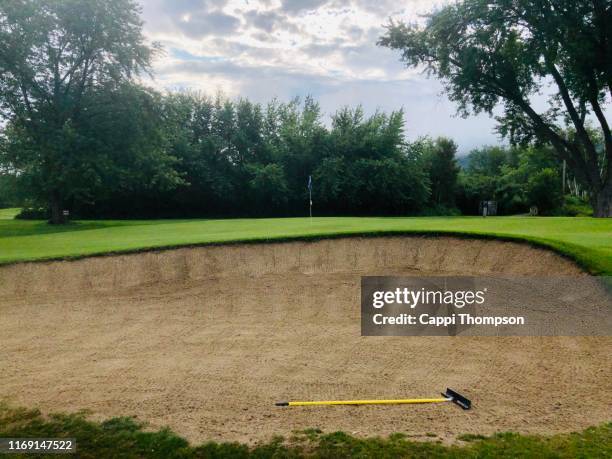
(448, 396)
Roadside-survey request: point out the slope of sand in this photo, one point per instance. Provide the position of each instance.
(205, 340)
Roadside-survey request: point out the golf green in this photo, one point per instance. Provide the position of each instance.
(586, 240)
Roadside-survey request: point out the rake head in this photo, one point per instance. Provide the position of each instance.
(457, 399)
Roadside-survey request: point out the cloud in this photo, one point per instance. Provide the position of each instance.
(192, 18)
(178, 7)
(203, 24)
(263, 37)
(238, 70)
(285, 48)
(264, 21)
(297, 6)
(426, 111)
(355, 33)
(321, 50)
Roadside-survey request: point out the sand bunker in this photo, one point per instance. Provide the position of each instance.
(205, 340)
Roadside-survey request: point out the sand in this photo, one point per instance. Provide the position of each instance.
(205, 340)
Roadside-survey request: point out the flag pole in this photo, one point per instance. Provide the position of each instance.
(310, 196)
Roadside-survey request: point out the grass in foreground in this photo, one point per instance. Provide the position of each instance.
(125, 438)
(587, 240)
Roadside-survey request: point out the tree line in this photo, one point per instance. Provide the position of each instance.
(133, 152)
(137, 153)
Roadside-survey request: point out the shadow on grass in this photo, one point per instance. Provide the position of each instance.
(12, 228)
(126, 438)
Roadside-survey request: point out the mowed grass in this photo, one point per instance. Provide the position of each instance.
(125, 438)
(587, 240)
(8, 214)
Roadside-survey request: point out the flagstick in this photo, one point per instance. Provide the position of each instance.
(310, 198)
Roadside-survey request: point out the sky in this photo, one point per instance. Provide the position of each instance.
(287, 48)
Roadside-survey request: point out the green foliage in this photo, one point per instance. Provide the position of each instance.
(488, 161)
(269, 186)
(576, 207)
(517, 178)
(125, 438)
(53, 62)
(118, 147)
(33, 213)
(544, 190)
(375, 186)
(9, 194)
(439, 159)
(241, 158)
(498, 54)
(365, 168)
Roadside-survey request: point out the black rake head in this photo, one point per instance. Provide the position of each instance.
(457, 399)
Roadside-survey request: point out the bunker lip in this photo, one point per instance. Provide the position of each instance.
(514, 238)
(205, 340)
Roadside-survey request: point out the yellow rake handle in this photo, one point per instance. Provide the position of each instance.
(368, 402)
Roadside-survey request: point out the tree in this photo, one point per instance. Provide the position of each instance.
(491, 52)
(303, 143)
(544, 190)
(517, 178)
(9, 194)
(115, 146)
(53, 53)
(443, 170)
(268, 187)
(489, 160)
(368, 169)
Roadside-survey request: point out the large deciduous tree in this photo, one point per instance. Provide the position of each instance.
(503, 52)
(53, 53)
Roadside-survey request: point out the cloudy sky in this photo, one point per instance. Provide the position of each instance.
(287, 48)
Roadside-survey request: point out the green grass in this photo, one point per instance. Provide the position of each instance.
(587, 240)
(125, 438)
(9, 214)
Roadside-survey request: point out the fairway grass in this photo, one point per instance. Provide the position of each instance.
(9, 214)
(586, 240)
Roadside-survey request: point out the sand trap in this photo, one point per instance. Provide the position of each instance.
(205, 340)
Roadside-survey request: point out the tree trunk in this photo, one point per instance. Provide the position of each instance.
(602, 202)
(57, 213)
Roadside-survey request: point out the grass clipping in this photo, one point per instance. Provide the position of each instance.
(125, 437)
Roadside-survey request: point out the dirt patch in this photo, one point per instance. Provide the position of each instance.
(205, 340)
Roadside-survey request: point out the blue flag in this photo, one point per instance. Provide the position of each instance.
(310, 183)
